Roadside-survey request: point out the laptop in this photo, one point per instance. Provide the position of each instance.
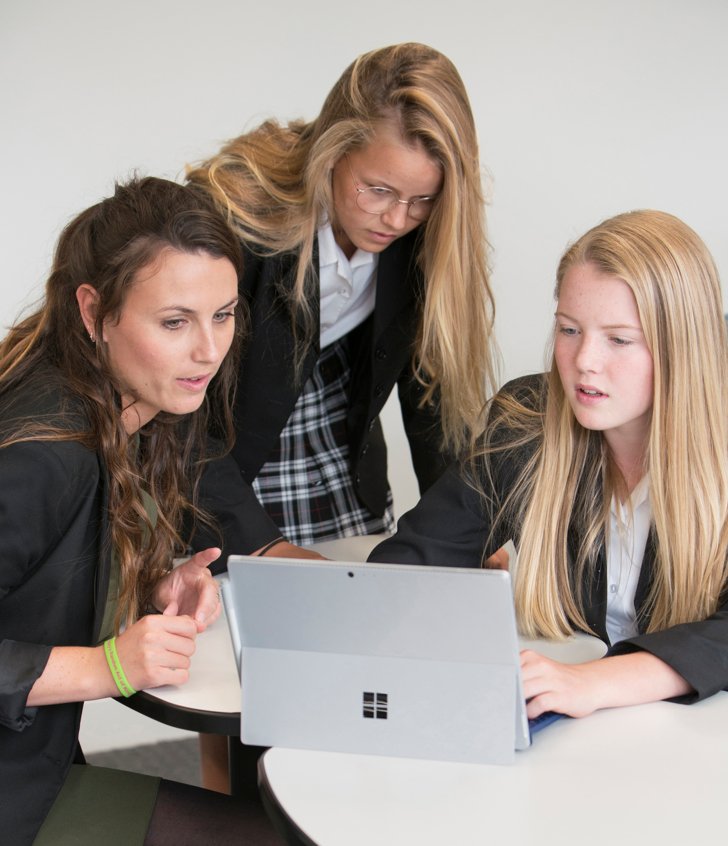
(384, 659)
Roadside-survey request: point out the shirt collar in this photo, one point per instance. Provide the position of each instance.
(330, 253)
(641, 493)
(639, 496)
(327, 246)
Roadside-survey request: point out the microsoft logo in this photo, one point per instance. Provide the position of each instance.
(375, 705)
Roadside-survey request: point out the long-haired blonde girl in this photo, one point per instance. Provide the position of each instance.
(610, 473)
(366, 267)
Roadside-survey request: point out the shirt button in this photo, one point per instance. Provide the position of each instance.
(612, 588)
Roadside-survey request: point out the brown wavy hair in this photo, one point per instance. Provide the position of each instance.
(107, 246)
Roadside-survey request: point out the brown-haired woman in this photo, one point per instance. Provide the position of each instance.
(107, 392)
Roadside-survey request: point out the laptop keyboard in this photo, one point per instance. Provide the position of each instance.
(543, 720)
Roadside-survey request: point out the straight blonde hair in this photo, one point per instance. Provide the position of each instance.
(570, 478)
(274, 183)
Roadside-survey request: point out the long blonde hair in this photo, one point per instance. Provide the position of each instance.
(275, 185)
(570, 478)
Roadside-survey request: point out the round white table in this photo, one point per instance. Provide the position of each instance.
(649, 774)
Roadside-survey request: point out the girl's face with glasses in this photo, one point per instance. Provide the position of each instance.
(369, 219)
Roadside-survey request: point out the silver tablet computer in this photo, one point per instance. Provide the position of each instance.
(382, 659)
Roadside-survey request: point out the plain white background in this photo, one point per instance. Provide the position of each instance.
(584, 109)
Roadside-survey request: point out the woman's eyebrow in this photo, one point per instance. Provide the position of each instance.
(188, 310)
(608, 326)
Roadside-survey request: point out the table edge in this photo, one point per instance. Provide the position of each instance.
(183, 717)
(282, 821)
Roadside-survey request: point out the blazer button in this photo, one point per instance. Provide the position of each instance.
(379, 390)
(371, 424)
(365, 449)
(357, 479)
(380, 353)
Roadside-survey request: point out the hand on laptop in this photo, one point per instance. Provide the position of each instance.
(283, 549)
(580, 689)
(499, 560)
(552, 686)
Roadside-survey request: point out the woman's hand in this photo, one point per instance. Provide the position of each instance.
(157, 649)
(580, 689)
(552, 686)
(499, 560)
(192, 588)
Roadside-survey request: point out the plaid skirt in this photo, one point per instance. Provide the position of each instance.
(306, 485)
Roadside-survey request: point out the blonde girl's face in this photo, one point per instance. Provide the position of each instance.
(386, 162)
(605, 366)
(175, 328)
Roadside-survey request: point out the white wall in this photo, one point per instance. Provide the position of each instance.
(584, 109)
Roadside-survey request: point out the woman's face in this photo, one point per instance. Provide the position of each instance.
(386, 162)
(603, 360)
(174, 330)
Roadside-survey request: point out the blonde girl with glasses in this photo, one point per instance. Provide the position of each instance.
(610, 473)
(365, 268)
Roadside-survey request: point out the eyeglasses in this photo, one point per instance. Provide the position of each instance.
(377, 200)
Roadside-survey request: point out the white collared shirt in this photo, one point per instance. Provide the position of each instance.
(348, 287)
(628, 532)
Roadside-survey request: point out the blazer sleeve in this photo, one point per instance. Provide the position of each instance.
(458, 521)
(697, 651)
(243, 523)
(424, 432)
(41, 493)
(449, 527)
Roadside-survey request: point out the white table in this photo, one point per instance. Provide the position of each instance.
(356, 548)
(650, 774)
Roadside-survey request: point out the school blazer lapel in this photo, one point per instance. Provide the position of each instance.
(267, 390)
(595, 596)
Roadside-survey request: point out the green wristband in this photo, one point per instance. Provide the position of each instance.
(112, 659)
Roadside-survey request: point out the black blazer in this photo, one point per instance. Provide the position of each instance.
(381, 357)
(54, 570)
(450, 527)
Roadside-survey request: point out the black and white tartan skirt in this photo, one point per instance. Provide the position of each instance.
(306, 485)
